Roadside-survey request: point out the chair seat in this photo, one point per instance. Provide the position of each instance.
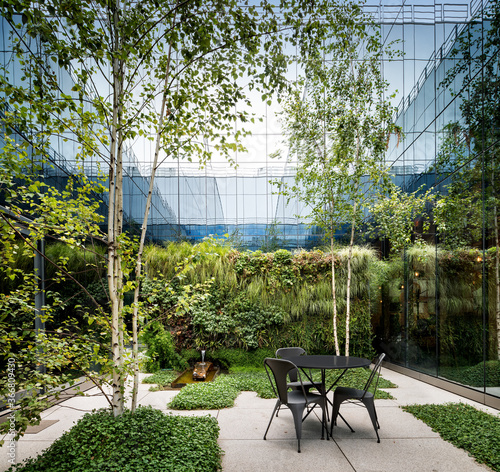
(307, 385)
(351, 393)
(296, 397)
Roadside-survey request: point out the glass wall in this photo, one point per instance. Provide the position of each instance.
(440, 313)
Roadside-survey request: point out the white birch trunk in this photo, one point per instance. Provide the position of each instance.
(349, 276)
(114, 228)
(334, 294)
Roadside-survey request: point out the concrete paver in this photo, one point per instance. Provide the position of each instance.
(406, 443)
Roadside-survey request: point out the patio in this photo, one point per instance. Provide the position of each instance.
(406, 443)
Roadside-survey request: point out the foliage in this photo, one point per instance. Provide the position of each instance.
(395, 214)
(47, 351)
(485, 374)
(269, 298)
(205, 396)
(464, 426)
(162, 379)
(209, 259)
(147, 440)
(160, 353)
(238, 323)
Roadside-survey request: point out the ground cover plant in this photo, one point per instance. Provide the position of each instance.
(161, 379)
(466, 427)
(205, 396)
(147, 440)
(222, 392)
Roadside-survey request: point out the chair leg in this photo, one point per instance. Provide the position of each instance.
(324, 422)
(297, 411)
(335, 422)
(370, 406)
(276, 408)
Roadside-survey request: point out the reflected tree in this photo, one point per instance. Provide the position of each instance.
(338, 132)
(470, 153)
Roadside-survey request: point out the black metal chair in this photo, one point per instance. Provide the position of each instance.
(296, 400)
(285, 353)
(359, 397)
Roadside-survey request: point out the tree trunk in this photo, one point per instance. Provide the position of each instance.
(115, 219)
(138, 267)
(349, 276)
(334, 293)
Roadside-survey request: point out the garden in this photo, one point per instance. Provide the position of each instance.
(86, 292)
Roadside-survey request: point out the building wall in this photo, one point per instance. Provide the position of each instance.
(438, 315)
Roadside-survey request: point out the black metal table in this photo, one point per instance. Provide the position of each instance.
(327, 362)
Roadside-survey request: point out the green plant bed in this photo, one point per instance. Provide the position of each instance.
(162, 379)
(464, 426)
(205, 396)
(147, 440)
(222, 392)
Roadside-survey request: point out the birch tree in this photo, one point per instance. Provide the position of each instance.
(339, 130)
(394, 213)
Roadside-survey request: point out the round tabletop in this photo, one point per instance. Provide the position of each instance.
(329, 362)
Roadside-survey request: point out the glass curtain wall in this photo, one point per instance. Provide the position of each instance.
(440, 313)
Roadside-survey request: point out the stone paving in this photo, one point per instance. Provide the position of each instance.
(407, 444)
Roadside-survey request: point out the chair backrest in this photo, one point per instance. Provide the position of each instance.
(279, 369)
(286, 352)
(374, 374)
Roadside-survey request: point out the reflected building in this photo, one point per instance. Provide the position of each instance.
(438, 315)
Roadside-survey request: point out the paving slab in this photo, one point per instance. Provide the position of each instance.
(408, 455)
(255, 422)
(280, 455)
(394, 423)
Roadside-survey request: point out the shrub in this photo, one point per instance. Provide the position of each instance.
(160, 351)
(238, 323)
(147, 440)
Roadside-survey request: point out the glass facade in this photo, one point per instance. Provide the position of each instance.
(440, 314)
